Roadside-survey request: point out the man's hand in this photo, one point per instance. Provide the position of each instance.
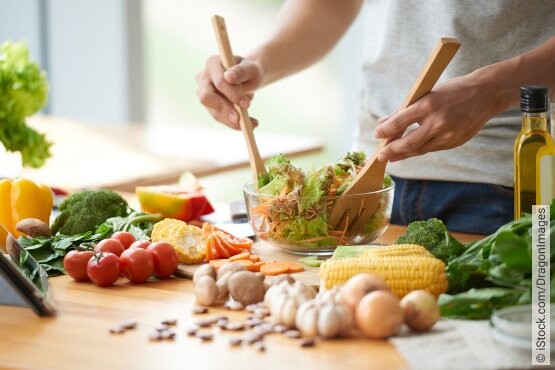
(449, 116)
(218, 90)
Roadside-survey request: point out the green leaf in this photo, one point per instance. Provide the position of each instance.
(513, 250)
(477, 304)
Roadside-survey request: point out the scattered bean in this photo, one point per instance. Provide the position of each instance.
(294, 334)
(307, 342)
(128, 325)
(199, 310)
(234, 326)
(192, 330)
(260, 346)
(117, 330)
(278, 328)
(265, 328)
(168, 334)
(251, 307)
(252, 337)
(222, 323)
(234, 341)
(261, 312)
(254, 322)
(205, 337)
(154, 337)
(204, 323)
(170, 322)
(161, 328)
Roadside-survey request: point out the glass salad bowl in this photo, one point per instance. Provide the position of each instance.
(298, 225)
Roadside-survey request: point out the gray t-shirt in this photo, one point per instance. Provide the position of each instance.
(399, 36)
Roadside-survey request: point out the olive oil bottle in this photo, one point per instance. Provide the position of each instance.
(534, 138)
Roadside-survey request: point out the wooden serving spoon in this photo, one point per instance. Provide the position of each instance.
(352, 213)
(256, 163)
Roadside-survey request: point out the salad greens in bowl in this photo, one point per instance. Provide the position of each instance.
(291, 207)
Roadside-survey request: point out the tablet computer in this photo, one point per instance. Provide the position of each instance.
(23, 282)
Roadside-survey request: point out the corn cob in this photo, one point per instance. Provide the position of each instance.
(397, 250)
(403, 273)
(185, 239)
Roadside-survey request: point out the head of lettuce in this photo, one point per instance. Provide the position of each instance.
(23, 92)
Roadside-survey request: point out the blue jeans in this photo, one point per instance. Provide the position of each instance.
(465, 207)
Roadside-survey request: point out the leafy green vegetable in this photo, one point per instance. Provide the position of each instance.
(50, 251)
(311, 261)
(432, 234)
(478, 304)
(23, 92)
(86, 210)
(346, 251)
(298, 212)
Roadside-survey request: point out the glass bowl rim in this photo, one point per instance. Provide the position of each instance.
(248, 189)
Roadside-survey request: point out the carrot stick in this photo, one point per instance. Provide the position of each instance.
(274, 268)
(218, 263)
(254, 258)
(245, 263)
(240, 256)
(255, 267)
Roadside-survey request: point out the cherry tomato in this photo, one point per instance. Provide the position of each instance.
(103, 269)
(136, 264)
(165, 259)
(75, 264)
(109, 246)
(140, 244)
(125, 238)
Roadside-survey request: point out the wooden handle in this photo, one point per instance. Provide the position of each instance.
(436, 64)
(228, 61)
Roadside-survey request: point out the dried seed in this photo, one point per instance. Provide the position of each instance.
(222, 323)
(204, 323)
(234, 326)
(278, 328)
(192, 330)
(251, 307)
(265, 327)
(169, 335)
(234, 341)
(217, 318)
(161, 328)
(153, 337)
(294, 334)
(252, 337)
(261, 312)
(233, 305)
(205, 337)
(199, 310)
(307, 342)
(170, 322)
(128, 325)
(252, 316)
(251, 323)
(260, 346)
(117, 330)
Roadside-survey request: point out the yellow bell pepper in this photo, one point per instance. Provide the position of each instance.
(20, 199)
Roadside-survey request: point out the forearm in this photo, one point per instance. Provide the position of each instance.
(536, 67)
(306, 30)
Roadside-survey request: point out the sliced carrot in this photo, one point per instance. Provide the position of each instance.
(274, 268)
(245, 263)
(255, 267)
(240, 256)
(218, 263)
(254, 258)
(293, 266)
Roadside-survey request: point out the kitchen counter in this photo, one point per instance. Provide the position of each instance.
(78, 337)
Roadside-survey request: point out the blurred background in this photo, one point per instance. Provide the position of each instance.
(125, 70)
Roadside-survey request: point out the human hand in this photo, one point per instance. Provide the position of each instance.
(218, 90)
(449, 116)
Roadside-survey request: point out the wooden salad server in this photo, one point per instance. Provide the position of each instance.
(350, 212)
(256, 162)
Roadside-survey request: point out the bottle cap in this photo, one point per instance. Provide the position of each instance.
(534, 99)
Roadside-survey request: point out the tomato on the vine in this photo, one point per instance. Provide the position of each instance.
(124, 237)
(109, 246)
(143, 244)
(75, 264)
(137, 265)
(165, 259)
(103, 269)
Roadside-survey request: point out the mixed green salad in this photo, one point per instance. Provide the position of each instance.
(298, 203)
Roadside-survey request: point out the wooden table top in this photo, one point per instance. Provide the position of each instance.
(78, 337)
(125, 156)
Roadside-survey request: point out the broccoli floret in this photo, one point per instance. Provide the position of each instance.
(86, 210)
(432, 234)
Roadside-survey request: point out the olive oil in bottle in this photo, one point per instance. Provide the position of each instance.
(533, 137)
